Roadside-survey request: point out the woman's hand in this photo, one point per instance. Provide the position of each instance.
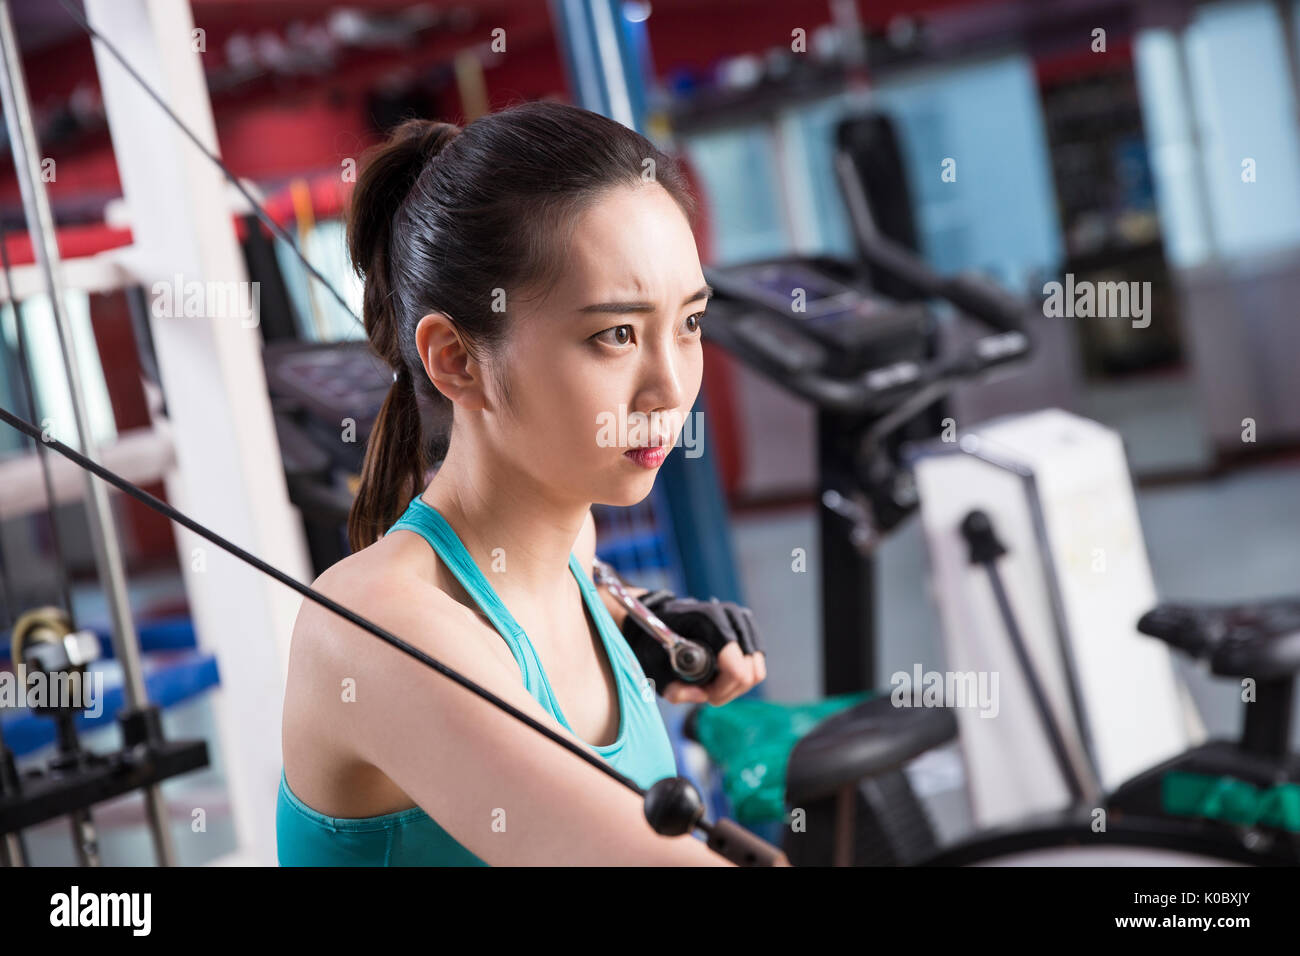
(737, 673)
(723, 626)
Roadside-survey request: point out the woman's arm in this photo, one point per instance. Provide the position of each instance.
(505, 792)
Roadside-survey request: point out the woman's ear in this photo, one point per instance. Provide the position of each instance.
(447, 362)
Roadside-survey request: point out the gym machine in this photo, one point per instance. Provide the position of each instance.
(45, 642)
(992, 502)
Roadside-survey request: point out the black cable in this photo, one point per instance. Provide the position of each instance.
(985, 549)
(257, 210)
(25, 373)
(351, 616)
(1055, 739)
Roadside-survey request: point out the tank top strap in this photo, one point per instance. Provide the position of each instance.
(427, 522)
(616, 647)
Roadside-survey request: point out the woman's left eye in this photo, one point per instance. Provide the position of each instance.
(614, 330)
(600, 335)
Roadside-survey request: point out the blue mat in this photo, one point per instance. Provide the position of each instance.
(171, 679)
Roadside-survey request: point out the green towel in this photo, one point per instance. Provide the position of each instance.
(1231, 800)
(750, 743)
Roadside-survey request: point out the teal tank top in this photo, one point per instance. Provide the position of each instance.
(643, 751)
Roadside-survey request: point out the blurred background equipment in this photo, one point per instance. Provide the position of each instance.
(1004, 145)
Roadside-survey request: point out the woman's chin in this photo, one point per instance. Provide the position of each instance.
(630, 491)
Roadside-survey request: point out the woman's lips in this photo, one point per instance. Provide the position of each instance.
(651, 457)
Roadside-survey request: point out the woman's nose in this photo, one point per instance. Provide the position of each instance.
(665, 378)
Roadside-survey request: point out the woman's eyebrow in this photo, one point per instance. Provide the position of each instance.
(705, 292)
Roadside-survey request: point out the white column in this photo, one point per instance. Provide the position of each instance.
(229, 475)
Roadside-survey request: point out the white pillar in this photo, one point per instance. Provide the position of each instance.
(229, 475)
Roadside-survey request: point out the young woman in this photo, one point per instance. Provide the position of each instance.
(537, 271)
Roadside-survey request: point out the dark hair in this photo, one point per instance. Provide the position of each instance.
(443, 217)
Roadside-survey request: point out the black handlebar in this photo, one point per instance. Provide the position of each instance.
(803, 365)
(876, 388)
(971, 292)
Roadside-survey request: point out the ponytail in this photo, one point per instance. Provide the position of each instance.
(395, 462)
(394, 467)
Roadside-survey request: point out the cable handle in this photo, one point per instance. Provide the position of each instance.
(693, 662)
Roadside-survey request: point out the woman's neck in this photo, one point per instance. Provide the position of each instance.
(518, 536)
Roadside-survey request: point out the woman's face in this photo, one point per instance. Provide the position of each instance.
(611, 358)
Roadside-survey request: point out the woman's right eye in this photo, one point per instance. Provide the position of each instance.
(598, 335)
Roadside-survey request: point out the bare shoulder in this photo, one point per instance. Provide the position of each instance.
(393, 583)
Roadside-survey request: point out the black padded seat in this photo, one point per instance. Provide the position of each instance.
(869, 739)
(1259, 639)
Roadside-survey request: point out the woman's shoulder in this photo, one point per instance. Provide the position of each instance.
(399, 584)
(333, 661)
(375, 582)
